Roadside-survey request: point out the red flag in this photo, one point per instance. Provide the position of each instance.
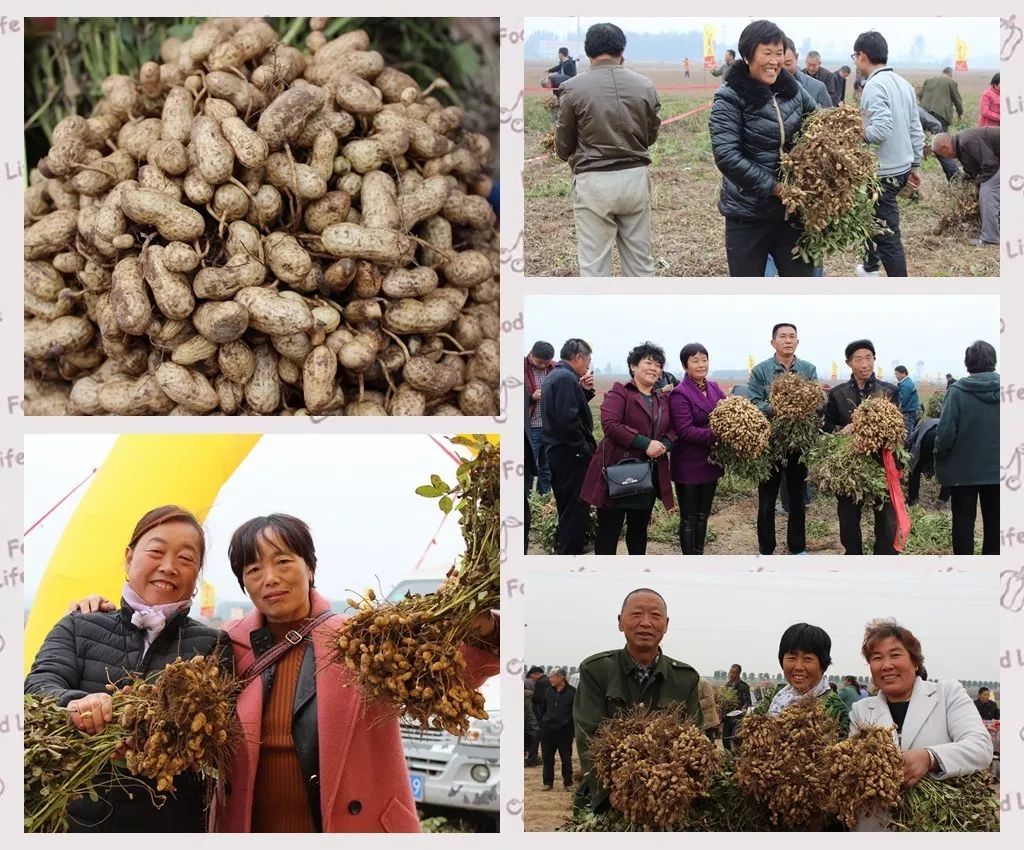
(892, 478)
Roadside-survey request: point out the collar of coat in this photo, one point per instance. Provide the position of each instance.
(923, 701)
(750, 90)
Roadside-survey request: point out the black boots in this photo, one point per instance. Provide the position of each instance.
(701, 533)
(688, 534)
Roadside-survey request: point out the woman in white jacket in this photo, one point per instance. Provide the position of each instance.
(937, 725)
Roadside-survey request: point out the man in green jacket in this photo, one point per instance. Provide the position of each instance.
(762, 376)
(940, 97)
(614, 681)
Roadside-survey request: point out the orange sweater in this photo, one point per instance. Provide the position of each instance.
(280, 798)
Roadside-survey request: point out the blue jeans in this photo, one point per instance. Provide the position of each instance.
(540, 455)
(770, 269)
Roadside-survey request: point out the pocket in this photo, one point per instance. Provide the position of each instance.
(397, 818)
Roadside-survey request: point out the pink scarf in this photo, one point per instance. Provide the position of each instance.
(151, 618)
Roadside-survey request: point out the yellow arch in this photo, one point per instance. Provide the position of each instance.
(141, 472)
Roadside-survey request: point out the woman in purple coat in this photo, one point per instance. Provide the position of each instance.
(693, 474)
(635, 420)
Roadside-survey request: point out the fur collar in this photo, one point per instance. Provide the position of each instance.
(758, 94)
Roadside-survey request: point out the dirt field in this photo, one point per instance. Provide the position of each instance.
(688, 230)
(545, 811)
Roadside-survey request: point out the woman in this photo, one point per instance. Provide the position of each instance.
(315, 757)
(937, 725)
(150, 630)
(988, 105)
(635, 421)
(694, 475)
(967, 450)
(754, 117)
(805, 655)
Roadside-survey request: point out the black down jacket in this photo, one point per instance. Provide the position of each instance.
(746, 139)
(84, 652)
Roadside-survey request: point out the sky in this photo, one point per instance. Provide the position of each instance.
(904, 329)
(717, 619)
(981, 34)
(355, 491)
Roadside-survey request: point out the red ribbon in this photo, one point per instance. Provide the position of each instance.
(892, 479)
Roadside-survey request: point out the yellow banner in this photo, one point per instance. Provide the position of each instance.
(207, 599)
(750, 362)
(961, 54)
(709, 41)
(835, 370)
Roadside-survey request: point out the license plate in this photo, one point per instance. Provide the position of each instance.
(416, 783)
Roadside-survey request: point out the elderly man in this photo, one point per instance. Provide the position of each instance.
(639, 674)
(536, 367)
(940, 98)
(978, 151)
(742, 689)
(815, 88)
(607, 122)
(842, 75)
(556, 729)
(723, 69)
(823, 75)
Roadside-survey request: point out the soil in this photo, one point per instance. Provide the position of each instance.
(545, 811)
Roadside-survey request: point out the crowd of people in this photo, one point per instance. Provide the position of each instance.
(657, 428)
(609, 117)
(938, 727)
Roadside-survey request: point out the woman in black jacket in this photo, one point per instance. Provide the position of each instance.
(84, 652)
(754, 117)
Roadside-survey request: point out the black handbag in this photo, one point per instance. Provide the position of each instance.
(631, 477)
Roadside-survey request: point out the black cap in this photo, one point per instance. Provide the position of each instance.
(858, 344)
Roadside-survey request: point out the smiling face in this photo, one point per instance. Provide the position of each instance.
(163, 566)
(862, 364)
(801, 669)
(697, 366)
(892, 669)
(644, 621)
(278, 581)
(767, 62)
(647, 372)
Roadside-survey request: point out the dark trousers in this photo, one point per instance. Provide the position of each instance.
(950, 167)
(540, 455)
(557, 740)
(964, 503)
(568, 469)
(729, 725)
(531, 753)
(849, 527)
(887, 249)
(914, 486)
(695, 502)
(784, 494)
(609, 529)
(748, 244)
(767, 492)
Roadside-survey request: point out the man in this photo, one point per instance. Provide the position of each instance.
(823, 75)
(762, 376)
(541, 683)
(921, 444)
(666, 383)
(814, 87)
(849, 693)
(940, 98)
(556, 729)
(537, 366)
(977, 149)
(950, 380)
(607, 121)
(531, 728)
(842, 74)
(569, 440)
(890, 116)
(564, 70)
(907, 398)
(640, 674)
(721, 70)
(842, 401)
(742, 689)
(686, 68)
(985, 705)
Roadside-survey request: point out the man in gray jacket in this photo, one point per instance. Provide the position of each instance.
(607, 121)
(815, 88)
(891, 122)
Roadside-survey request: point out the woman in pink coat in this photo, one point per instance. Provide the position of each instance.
(988, 106)
(314, 756)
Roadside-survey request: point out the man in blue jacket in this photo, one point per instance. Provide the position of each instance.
(569, 439)
(907, 398)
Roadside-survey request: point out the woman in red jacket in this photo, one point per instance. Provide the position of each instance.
(635, 421)
(988, 105)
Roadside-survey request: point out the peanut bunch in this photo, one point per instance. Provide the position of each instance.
(248, 228)
(878, 425)
(796, 423)
(655, 765)
(865, 775)
(742, 435)
(783, 762)
(835, 467)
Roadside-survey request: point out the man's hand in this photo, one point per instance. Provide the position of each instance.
(667, 388)
(655, 449)
(536, 394)
(848, 429)
(914, 181)
(916, 764)
(587, 381)
(92, 605)
(91, 714)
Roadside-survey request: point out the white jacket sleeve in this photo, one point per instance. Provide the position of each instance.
(971, 747)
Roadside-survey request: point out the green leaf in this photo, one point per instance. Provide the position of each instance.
(445, 504)
(429, 492)
(439, 484)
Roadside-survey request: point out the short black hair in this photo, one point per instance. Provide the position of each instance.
(733, 52)
(902, 369)
(604, 39)
(948, 70)
(534, 669)
(851, 679)
(807, 638)
(789, 45)
(688, 350)
(563, 51)
(845, 68)
(980, 357)
(995, 79)
(642, 590)
(983, 689)
(543, 350)
(645, 349)
(244, 548)
(873, 45)
(573, 347)
(758, 32)
(739, 669)
(775, 329)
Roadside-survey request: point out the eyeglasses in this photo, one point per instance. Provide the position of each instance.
(854, 56)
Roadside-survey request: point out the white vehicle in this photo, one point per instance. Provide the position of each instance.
(445, 770)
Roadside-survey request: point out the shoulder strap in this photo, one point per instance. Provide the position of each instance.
(279, 649)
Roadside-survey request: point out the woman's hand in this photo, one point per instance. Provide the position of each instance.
(92, 605)
(916, 765)
(91, 714)
(655, 449)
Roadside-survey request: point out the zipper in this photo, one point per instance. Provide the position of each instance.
(782, 127)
